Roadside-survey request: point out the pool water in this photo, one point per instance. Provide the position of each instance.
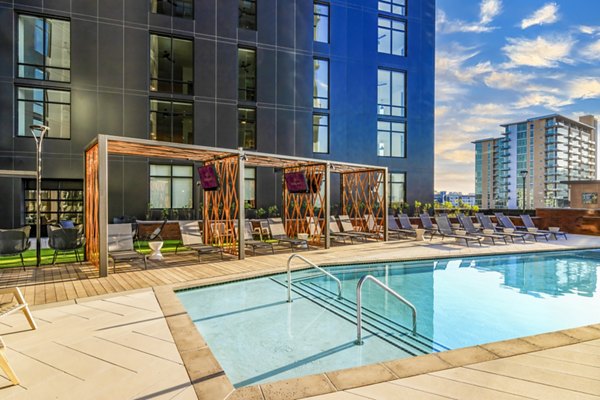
(258, 337)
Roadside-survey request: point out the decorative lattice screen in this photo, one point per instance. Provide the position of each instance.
(362, 196)
(304, 212)
(221, 206)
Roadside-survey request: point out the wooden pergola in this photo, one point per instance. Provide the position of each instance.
(360, 192)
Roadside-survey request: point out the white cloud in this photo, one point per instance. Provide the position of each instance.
(584, 88)
(449, 65)
(461, 156)
(507, 80)
(548, 14)
(441, 111)
(490, 109)
(542, 100)
(591, 51)
(488, 10)
(541, 52)
(588, 30)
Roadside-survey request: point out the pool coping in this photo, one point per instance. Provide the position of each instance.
(211, 382)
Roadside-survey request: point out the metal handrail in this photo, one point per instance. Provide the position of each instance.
(362, 280)
(289, 275)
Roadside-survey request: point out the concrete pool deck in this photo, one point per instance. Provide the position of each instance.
(464, 373)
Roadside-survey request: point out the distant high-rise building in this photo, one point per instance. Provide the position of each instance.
(525, 167)
(456, 198)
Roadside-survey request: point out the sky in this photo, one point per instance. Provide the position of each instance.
(502, 61)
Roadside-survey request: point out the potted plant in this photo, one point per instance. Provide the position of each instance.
(427, 208)
(273, 211)
(148, 208)
(417, 208)
(261, 212)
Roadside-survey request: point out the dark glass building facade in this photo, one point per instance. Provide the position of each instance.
(349, 80)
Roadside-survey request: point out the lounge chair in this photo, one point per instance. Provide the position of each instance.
(528, 222)
(507, 223)
(372, 225)
(7, 309)
(500, 217)
(405, 226)
(5, 366)
(18, 304)
(334, 230)
(315, 230)
(445, 230)
(155, 234)
(278, 233)
(191, 238)
(428, 225)
(249, 240)
(263, 230)
(395, 229)
(468, 226)
(15, 241)
(120, 245)
(347, 227)
(65, 240)
(486, 223)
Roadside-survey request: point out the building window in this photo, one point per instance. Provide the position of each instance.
(247, 16)
(44, 48)
(391, 137)
(321, 84)
(397, 7)
(247, 74)
(397, 187)
(173, 8)
(320, 133)
(247, 127)
(36, 106)
(61, 200)
(391, 36)
(172, 121)
(171, 64)
(391, 93)
(250, 187)
(171, 186)
(321, 23)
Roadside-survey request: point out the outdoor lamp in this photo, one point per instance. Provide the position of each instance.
(38, 189)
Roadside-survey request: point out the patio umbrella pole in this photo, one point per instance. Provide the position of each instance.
(38, 189)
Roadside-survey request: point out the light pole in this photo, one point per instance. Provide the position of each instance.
(38, 188)
(524, 174)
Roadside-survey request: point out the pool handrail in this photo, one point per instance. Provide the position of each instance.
(388, 289)
(289, 275)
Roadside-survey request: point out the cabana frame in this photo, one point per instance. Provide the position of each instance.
(226, 204)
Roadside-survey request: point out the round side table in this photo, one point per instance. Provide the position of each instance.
(155, 246)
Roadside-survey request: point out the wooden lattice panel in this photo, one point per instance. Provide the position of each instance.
(221, 206)
(299, 208)
(92, 237)
(362, 195)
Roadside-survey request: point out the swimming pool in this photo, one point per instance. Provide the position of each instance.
(258, 337)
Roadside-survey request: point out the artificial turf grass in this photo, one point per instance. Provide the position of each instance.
(47, 254)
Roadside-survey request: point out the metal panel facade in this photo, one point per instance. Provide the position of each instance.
(110, 93)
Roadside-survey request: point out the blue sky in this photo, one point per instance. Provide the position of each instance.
(500, 61)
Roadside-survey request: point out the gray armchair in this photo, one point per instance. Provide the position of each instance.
(15, 241)
(65, 240)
